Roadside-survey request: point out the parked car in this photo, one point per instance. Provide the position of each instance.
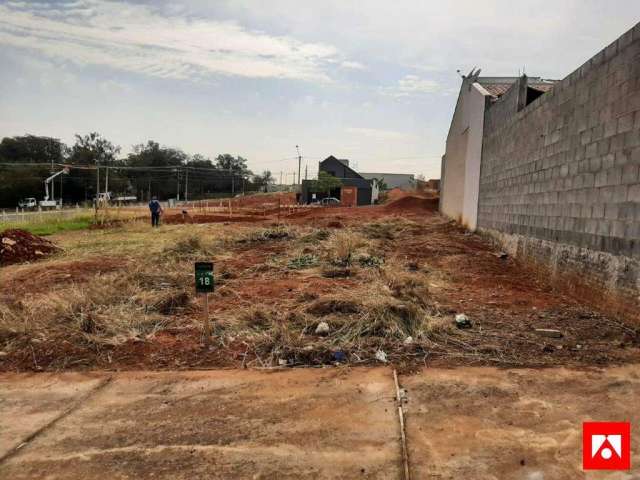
(28, 203)
(330, 201)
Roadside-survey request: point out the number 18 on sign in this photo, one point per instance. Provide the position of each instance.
(204, 277)
(204, 284)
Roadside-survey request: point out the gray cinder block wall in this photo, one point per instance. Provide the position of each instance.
(559, 177)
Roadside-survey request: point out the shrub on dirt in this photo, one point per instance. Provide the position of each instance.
(326, 306)
(173, 302)
(331, 272)
(281, 232)
(257, 318)
(379, 231)
(303, 261)
(317, 236)
(370, 261)
(342, 247)
(407, 286)
(189, 247)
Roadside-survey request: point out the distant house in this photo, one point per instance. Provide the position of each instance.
(355, 188)
(393, 180)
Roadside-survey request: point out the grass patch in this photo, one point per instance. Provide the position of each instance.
(49, 227)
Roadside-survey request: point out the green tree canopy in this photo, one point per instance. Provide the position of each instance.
(237, 165)
(325, 183)
(31, 149)
(264, 180)
(92, 149)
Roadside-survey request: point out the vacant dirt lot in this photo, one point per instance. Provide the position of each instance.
(297, 287)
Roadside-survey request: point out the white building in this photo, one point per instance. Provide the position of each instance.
(393, 180)
(460, 175)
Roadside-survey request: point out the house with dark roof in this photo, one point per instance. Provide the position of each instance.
(355, 189)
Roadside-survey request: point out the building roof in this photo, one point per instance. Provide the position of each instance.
(498, 86)
(345, 165)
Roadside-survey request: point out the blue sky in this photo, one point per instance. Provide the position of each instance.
(372, 81)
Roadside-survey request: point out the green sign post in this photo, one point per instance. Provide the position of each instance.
(204, 277)
(205, 285)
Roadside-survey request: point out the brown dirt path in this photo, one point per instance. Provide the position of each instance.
(320, 424)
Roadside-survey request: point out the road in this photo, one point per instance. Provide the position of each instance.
(479, 423)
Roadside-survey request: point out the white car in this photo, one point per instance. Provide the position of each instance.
(330, 201)
(28, 203)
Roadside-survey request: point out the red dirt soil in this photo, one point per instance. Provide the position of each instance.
(411, 203)
(17, 246)
(505, 299)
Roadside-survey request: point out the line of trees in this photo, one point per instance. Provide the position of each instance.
(149, 170)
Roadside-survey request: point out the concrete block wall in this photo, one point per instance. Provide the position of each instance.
(561, 177)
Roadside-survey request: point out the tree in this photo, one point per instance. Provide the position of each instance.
(31, 149)
(19, 180)
(162, 183)
(325, 183)
(264, 180)
(93, 149)
(237, 165)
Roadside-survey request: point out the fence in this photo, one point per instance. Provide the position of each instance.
(26, 216)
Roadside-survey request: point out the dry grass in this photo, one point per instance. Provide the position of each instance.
(154, 292)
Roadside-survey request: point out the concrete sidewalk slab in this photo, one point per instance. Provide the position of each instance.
(29, 402)
(328, 423)
(485, 423)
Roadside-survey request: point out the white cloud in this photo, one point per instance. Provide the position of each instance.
(113, 86)
(352, 65)
(162, 43)
(378, 134)
(411, 85)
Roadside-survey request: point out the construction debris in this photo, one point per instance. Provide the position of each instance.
(19, 246)
(462, 321)
(381, 356)
(322, 328)
(549, 332)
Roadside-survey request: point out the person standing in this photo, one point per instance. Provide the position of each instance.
(156, 211)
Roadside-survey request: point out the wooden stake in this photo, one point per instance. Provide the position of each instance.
(207, 324)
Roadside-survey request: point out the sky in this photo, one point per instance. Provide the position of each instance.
(373, 81)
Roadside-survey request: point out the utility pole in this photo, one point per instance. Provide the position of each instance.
(106, 181)
(186, 184)
(305, 171)
(233, 187)
(299, 164)
(280, 177)
(178, 185)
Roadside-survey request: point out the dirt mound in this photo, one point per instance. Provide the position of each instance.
(413, 203)
(18, 246)
(396, 193)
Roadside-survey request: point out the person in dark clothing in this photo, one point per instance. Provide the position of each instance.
(156, 211)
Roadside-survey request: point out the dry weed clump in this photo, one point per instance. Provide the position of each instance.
(407, 286)
(111, 309)
(389, 229)
(187, 248)
(279, 232)
(360, 322)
